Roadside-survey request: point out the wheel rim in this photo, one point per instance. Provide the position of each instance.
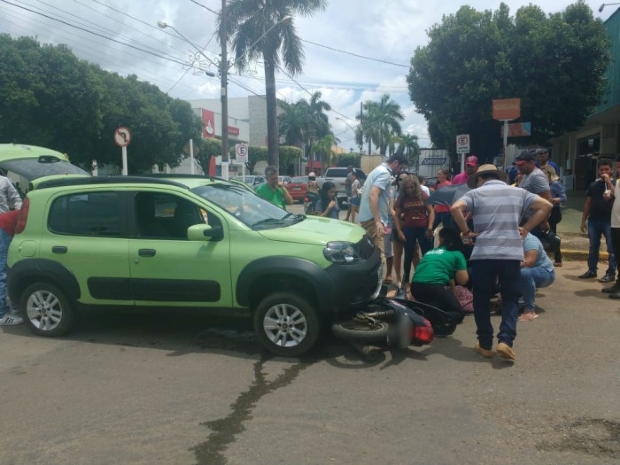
(44, 310)
(285, 325)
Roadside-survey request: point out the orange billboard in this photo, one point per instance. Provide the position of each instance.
(507, 109)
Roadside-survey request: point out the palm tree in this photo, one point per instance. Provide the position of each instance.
(409, 145)
(294, 123)
(264, 30)
(379, 121)
(324, 147)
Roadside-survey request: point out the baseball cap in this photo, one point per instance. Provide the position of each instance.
(526, 155)
(472, 160)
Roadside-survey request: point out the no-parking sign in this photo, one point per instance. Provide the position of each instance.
(241, 153)
(462, 143)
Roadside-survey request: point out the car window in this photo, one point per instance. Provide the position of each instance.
(299, 180)
(32, 168)
(167, 217)
(336, 173)
(247, 207)
(88, 214)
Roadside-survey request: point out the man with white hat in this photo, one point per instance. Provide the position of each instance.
(498, 250)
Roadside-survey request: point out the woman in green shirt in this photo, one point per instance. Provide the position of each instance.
(431, 283)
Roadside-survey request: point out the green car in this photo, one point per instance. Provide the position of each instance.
(126, 242)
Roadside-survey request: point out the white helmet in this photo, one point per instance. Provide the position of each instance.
(312, 174)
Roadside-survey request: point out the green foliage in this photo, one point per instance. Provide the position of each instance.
(51, 98)
(258, 31)
(555, 64)
(256, 154)
(346, 159)
(207, 148)
(378, 123)
(324, 147)
(289, 158)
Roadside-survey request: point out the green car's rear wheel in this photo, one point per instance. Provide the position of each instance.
(47, 310)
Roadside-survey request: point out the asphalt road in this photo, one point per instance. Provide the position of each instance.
(173, 389)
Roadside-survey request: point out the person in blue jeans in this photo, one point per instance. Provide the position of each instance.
(8, 223)
(498, 251)
(536, 272)
(597, 219)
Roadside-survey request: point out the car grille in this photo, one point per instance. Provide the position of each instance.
(365, 247)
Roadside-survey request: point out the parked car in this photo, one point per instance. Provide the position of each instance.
(297, 187)
(130, 242)
(284, 179)
(253, 181)
(32, 162)
(338, 176)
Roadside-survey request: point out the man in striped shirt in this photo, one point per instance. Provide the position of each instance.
(498, 251)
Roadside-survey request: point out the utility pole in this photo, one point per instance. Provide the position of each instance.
(224, 91)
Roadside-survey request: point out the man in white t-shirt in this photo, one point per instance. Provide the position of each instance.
(375, 201)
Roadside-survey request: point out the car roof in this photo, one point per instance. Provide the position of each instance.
(32, 162)
(184, 181)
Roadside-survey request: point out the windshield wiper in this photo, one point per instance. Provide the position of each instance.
(267, 221)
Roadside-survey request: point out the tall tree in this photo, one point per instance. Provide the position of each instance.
(265, 30)
(378, 122)
(555, 63)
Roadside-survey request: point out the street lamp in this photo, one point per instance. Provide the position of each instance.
(164, 25)
(600, 9)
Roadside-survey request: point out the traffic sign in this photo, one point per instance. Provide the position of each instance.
(462, 143)
(241, 152)
(122, 136)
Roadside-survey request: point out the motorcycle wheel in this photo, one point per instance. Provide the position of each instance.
(361, 331)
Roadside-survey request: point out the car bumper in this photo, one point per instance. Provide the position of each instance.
(356, 284)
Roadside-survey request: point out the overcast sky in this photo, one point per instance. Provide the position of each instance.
(388, 30)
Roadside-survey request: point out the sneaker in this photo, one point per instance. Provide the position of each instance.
(486, 353)
(607, 279)
(505, 351)
(588, 274)
(11, 319)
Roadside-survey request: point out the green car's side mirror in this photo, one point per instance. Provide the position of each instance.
(200, 232)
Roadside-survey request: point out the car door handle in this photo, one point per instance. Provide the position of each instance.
(59, 249)
(146, 252)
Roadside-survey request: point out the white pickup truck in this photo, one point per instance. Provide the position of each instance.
(338, 176)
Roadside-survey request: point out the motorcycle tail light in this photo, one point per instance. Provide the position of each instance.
(422, 335)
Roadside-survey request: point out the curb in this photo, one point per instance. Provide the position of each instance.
(582, 255)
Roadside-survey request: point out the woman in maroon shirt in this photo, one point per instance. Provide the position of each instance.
(413, 221)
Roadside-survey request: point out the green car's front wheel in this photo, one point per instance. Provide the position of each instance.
(286, 324)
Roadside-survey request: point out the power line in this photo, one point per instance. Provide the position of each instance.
(354, 54)
(92, 32)
(205, 7)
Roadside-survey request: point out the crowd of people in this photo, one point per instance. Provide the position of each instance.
(495, 238)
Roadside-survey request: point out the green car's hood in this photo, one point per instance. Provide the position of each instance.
(317, 231)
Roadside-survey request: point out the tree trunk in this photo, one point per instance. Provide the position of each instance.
(272, 122)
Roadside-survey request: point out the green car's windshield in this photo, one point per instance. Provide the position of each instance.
(246, 206)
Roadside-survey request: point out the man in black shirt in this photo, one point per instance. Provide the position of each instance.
(597, 212)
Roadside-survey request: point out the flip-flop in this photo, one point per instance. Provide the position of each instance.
(528, 316)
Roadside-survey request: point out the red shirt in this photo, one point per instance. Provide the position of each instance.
(414, 212)
(8, 221)
(460, 178)
(442, 208)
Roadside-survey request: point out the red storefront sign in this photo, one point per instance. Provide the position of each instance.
(208, 124)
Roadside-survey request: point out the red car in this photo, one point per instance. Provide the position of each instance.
(297, 187)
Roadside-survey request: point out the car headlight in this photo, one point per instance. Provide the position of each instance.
(341, 252)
